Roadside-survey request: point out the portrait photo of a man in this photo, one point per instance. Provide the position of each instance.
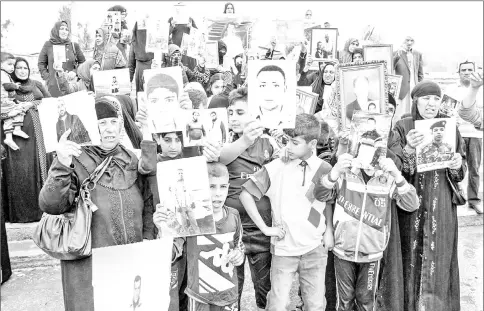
(217, 128)
(438, 150)
(272, 93)
(115, 86)
(361, 90)
(323, 43)
(195, 129)
(136, 302)
(67, 121)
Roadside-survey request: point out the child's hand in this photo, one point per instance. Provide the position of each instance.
(236, 257)
(211, 150)
(160, 216)
(344, 162)
(387, 165)
(328, 239)
(277, 232)
(253, 131)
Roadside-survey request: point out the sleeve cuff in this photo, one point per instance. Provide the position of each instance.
(253, 188)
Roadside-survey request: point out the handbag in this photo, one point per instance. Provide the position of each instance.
(458, 197)
(68, 236)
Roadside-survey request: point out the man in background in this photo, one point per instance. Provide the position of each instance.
(407, 63)
(471, 132)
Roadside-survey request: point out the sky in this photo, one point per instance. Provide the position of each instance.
(444, 30)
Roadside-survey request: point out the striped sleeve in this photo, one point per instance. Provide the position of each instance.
(258, 184)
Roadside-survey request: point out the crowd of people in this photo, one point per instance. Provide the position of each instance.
(292, 197)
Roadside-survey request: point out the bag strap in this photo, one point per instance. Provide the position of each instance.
(90, 183)
(75, 54)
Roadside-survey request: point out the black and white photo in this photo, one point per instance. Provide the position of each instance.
(115, 82)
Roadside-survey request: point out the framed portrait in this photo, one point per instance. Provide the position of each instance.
(394, 85)
(323, 44)
(76, 112)
(205, 124)
(134, 276)
(184, 190)
(361, 86)
(306, 101)
(211, 54)
(180, 14)
(379, 52)
(112, 82)
(112, 23)
(368, 138)
(272, 92)
(438, 147)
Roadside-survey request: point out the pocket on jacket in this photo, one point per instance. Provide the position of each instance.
(345, 234)
(373, 241)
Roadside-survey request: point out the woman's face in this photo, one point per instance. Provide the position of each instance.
(328, 74)
(230, 9)
(22, 71)
(95, 67)
(428, 106)
(171, 145)
(357, 57)
(110, 130)
(99, 38)
(354, 44)
(217, 87)
(63, 31)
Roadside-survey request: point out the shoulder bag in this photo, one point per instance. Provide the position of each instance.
(68, 236)
(458, 197)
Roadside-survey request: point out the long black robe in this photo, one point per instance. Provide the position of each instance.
(429, 236)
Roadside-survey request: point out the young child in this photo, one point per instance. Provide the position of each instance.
(299, 221)
(171, 145)
(362, 218)
(248, 151)
(212, 278)
(9, 106)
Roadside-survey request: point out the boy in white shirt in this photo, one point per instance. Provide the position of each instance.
(299, 221)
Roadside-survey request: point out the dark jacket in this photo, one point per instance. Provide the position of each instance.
(401, 67)
(46, 64)
(137, 53)
(125, 213)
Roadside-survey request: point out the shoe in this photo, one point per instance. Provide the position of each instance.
(477, 207)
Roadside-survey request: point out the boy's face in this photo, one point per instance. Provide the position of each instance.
(8, 65)
(171, 144)
(238, 116)
(163, 100)
(298, 148)
(219, 188)
(272, 89)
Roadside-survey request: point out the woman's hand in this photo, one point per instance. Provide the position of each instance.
(211, 150)
(66, 149)
(142, 116)
(456, 162)
(414, 138)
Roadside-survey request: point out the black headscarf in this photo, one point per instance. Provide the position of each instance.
(132, 130)
(318, 86)
(221, 55)
(26, 85)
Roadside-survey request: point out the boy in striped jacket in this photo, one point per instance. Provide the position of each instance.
(361, 223)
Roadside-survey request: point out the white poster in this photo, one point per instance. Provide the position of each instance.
(272, 92)
(203, 124)
(157, 31)
(185, 194)
(112, 82)
(438, 147)
(59, 52)
(75, 112)
(133, 276)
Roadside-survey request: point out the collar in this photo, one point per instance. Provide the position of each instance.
(313, 162)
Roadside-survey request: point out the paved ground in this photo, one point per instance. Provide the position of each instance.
(36, 285)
